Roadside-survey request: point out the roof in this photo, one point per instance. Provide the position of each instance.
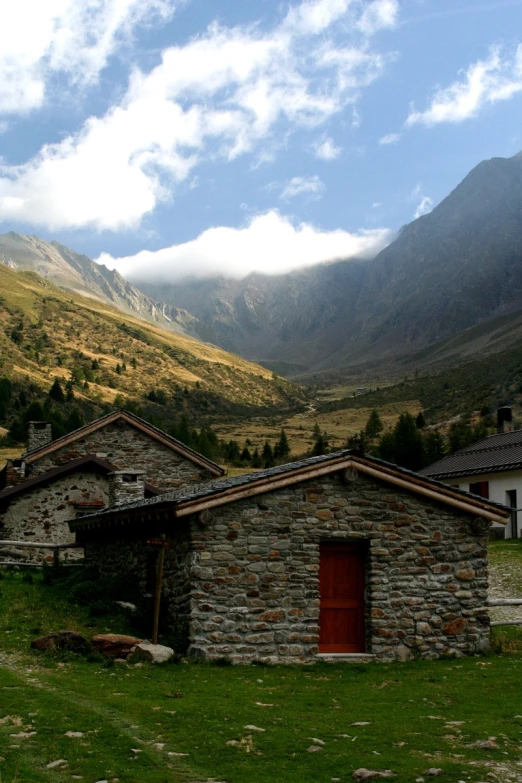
(88, 462)
(490, 455)
(200, 497)
(133, 421)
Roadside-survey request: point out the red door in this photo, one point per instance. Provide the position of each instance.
(341, 578)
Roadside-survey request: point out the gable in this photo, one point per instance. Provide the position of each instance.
(195, 500)
(106, 436)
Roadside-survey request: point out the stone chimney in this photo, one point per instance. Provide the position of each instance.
(504, 419)
(39, 434)
(126, 486)
(15, 472)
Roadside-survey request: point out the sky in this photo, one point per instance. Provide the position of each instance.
(169, 138)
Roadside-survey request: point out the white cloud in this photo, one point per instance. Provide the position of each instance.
(485, 82)
(223, 94)
(40, 39)
(298, 186)
(327, 150)
(270, 243)
(425, 204)
(390, 138)
(378, 15)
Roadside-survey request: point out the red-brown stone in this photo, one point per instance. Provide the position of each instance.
(115, 645)
(455, 627)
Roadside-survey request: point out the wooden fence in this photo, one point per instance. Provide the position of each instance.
(36, 545)
(505, 602)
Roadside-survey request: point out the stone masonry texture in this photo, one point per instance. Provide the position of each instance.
(246, 586)
(42, 514)
(127, 447)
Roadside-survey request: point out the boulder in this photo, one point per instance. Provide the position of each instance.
(62, 640)
(115, 645)
(155, 653)
(372, 774)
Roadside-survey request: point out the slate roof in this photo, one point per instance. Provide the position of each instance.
(490, 455)
(88, 462)
(133, 420)
(299, 470)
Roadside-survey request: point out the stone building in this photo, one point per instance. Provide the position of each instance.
(338, 555)
(57, 480)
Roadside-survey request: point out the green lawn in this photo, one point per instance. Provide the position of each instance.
(415, 716)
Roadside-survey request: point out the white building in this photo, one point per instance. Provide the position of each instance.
(490, 468)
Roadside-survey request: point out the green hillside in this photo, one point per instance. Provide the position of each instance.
(103, 359)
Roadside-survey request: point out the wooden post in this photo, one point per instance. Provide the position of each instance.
(157, 593)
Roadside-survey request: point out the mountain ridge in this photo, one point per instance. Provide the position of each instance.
(77, 272)
(445, 272)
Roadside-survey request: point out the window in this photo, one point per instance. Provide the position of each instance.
(480, 488)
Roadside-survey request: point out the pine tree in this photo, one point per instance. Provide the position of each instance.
(281, 448)
(433, 447)
(374, 425)
(56, 391)
(267, 455)
(321, 445)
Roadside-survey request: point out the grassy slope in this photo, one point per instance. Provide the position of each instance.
(62, 330)
(411, 710)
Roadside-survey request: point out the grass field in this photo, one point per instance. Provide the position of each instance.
(189, 722)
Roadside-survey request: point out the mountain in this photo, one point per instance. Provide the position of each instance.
(284, 321)
(79, 273)
(445, 272)
(109, 358)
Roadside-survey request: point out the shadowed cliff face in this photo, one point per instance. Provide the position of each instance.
(445, 272)
(79, 273)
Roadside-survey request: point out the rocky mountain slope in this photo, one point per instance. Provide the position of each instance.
(79, 273)
(111, 359)
(445, 272)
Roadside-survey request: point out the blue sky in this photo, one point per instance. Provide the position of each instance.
(174, 137)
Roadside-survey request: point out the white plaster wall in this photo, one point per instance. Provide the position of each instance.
(499, 484)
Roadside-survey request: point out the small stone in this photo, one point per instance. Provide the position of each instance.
(73, 734)
(433, 771)
(23, 734)
(155, 653)
(314, 748)
(251, 727)
(317, 741)
(57, 763)
(372, 774)
(159, 745)
(488, 744)
(173, 753)
(136, 750)
(361, 723)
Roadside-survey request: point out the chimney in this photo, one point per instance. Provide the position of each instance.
(125, 486)
(504, 419)
(15, 472)
(39, 434)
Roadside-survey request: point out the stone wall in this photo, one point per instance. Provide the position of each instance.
(112, 556)
(42, 513)
(255, 587)
(127, 447)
